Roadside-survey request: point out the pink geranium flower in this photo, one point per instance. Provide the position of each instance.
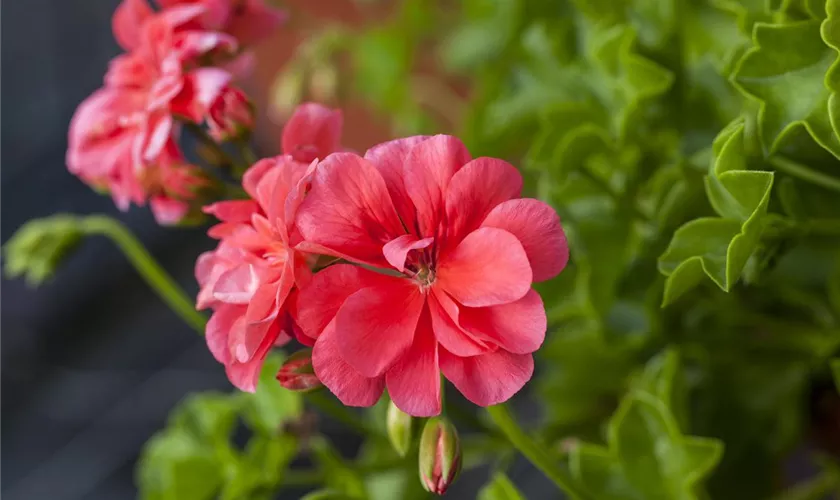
(123, 135)
(461, 250)
(251, 277)
(249, 21)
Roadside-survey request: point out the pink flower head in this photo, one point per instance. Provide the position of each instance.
(231, 115)
(461, 249)
(249, 278)
(123, 135)
(249, 21)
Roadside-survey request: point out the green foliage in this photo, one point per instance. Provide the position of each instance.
(500, 488)
(194, 457)
(39, 247)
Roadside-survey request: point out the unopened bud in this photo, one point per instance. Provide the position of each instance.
(399, 429)
(231, 116)
(440, 455)
(297, 373)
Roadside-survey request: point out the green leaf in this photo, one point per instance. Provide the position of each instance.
(720, 248)
(500, 488)
(261, 468)
(647, 457)
(340, 477)
(37, 249)
(663, 379)
(491, 27)
(785, 72)
(175, 466)
(271, 405)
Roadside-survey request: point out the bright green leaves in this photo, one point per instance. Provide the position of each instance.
(39, 247)
(648, 456)
(720, 247)
(785, 72)
(830, 31)
(193, 458)
(500, 488)
(492, 24)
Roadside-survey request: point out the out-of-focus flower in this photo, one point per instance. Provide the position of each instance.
(440, 455)
(121, 138)
(465, 250)
(231, 115)
(249, 21)
(313, 131)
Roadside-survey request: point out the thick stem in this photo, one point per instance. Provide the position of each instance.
(805, 173)
(534, 452)
(145, 264)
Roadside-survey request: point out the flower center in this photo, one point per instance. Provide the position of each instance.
(425, 276)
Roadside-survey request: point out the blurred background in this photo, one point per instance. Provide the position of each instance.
(92, 361)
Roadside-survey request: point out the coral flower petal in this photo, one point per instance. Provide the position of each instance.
(349, 209)
(233, 210)
(445, 322)
(397, 250)
(313, 131)
(414, 380)
(474, 191)
(490, 378)
(376, 325)
(389, 158)
(518, 327)
(537, 226)
(489, 267)
(348, 385)
(237, 285)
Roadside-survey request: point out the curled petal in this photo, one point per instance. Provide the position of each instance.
(348, 385)
(414, 380)
(474, 191)
(537, 226)
(489, 267)
(202, 87)
(376, 325)
(397, 250)
(238, 285)
(445, 315)
(490, 378)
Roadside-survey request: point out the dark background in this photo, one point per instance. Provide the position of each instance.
(92, 361)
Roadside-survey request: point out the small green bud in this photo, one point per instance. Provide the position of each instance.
(440, 455)
(399, 429)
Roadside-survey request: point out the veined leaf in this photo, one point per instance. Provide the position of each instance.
(647, 456)
(785, 72)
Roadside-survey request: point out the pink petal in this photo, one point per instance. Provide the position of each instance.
(233, 210)
(376, 325)
(202, 87)
(168, 211)
(518, 327)
(253, 175)
(414, 380)
(244, 376)
(389, 158)
(256, 22)
(128, 20)
(219, 327)
(313, 131)
(348, 385)
(488, 379)
(396, 250)
(204, 265)
(445, 323)
(537, 226)
(348, 210)
(238, 285)
(319, 301)
(474, 191)
(427, 172)
(489, 267)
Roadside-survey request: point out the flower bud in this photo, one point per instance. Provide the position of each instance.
(297, 374)
(231, 115)
(440, 455)
(399, 429)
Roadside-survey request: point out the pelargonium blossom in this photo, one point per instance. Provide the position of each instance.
(459, 249)
(125, 132)
(251, 278)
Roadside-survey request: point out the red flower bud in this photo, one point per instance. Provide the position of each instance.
(440, 455)
(297, 374)
(231, 115)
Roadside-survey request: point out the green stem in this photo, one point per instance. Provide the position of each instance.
(208, 141)
(538, 455)
(246, 151)
(342, 414)
(805, 173)
(145, 264)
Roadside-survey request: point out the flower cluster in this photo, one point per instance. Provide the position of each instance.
(432, 255)
(176, 69)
